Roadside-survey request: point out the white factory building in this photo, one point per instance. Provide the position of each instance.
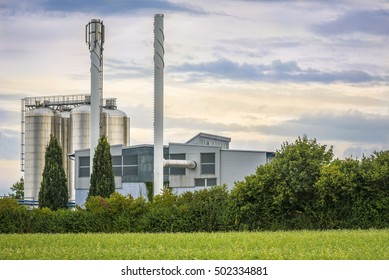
(214, 164)
(77, 121)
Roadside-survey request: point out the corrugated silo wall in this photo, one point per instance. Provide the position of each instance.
(79, 135)
(40, 123)
(116, 126)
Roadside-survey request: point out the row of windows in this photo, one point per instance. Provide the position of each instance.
(207, 182)
(122, 166)
(128, 165)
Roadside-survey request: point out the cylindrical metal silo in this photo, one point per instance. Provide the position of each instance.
(79, 118)
(79, 123)
(115, 126)
(39, 124)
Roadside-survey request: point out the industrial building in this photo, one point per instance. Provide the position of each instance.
(78, 121)
(203, 161)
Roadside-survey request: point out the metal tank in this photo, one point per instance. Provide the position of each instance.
(116, 127)
(39, 125)
(80, 126)
(79, 123)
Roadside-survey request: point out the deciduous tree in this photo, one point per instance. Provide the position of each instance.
(18, 189)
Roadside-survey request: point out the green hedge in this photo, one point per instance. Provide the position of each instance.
(302, 188)
(208, 210)
(205, 210)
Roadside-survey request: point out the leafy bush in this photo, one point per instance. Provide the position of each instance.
(302, 188)
(13, 217)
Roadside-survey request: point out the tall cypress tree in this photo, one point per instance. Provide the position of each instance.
(53, 193)
(102, 181)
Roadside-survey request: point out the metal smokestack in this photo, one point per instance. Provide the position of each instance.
(159, 65)
(94, 37)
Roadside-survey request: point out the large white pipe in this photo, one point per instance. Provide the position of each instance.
(95, 39)
(180, 163)
(159, 65)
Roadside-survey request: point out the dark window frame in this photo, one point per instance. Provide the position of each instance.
(208, 165)
(130, 165)
(83, 166)
(205, 182)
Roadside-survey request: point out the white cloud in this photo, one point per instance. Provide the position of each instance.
(266, 71)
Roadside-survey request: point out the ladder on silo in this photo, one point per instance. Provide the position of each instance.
(22, 135)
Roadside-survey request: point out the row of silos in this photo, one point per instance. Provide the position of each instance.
(72, 129)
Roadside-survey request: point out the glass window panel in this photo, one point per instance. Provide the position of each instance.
(211, 182)
(207, 169)
(116, 160)
(177, 156)
(130, 160)
(208, 158)
(84, 161)
(130, 170)
(84, 172)
(200, 182)
(117, 171)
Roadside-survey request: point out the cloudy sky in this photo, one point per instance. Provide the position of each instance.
(261, 72)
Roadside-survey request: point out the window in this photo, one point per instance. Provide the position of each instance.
(130, 160)
(130, 165)
(116, 160)
(207, 163)
(200, 182)
(207, 182)
(211, 182)
(84, 167)
(117, 165)
(177, 170)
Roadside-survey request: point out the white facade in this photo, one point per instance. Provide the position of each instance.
(237, 164)
(214, 166)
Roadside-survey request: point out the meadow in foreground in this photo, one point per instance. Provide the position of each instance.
(283, 245)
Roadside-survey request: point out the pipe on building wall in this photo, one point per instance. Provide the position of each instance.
(159, 65)
(180, 163)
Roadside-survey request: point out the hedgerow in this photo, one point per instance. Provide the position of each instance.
(302, 188)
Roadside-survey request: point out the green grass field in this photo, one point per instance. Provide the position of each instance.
(289, 245)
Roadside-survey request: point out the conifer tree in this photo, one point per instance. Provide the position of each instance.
(102, 181)
(53, 193)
